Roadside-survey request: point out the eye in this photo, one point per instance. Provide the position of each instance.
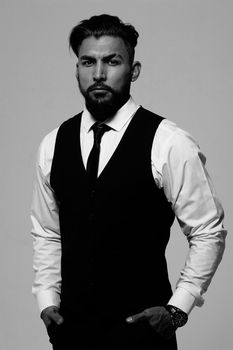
(87, 63)
(113, 62)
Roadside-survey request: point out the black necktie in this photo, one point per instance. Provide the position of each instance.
(93, 160)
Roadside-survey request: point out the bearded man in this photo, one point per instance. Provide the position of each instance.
(109, 183)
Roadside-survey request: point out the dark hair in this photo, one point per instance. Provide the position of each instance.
(101, 25)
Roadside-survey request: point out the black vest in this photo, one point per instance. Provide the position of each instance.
(113, 237)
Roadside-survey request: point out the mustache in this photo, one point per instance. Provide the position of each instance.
(100, 87)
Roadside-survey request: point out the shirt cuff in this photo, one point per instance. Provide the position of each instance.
(183, 299)
(47, 298)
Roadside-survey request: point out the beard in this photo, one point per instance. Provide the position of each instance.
(102, 101)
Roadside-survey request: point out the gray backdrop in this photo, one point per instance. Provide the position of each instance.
(186, 51)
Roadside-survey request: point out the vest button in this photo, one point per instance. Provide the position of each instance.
(91, 217)
(92, 194)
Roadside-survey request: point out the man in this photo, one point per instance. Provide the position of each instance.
(110, 182)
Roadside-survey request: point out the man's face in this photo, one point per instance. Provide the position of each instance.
(104, 75)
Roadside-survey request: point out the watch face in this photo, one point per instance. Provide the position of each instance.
(180, 319)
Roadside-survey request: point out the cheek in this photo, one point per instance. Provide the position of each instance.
(84, 78)
(120, 80)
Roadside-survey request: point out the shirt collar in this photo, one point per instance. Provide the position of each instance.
(117, 122)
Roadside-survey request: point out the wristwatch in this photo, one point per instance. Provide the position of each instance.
(179, 317)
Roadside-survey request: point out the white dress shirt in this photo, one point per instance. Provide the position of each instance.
(178, 166)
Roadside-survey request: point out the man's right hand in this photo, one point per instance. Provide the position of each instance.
(51, 315)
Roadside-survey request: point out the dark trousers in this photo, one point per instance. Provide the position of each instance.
(74, 334)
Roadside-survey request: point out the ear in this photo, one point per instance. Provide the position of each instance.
(135, 70)
(76, 74)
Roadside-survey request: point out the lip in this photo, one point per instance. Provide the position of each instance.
(99, 88)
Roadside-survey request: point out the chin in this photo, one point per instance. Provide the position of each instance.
(101, 111)
(103, 106)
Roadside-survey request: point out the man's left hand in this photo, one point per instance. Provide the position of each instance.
(159, 318)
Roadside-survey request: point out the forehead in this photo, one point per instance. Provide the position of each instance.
(103, 46)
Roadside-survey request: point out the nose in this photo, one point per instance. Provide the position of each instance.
(99, 72)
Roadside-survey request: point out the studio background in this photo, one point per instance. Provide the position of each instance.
(185, 47)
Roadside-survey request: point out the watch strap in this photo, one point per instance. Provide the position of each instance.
(179, 317)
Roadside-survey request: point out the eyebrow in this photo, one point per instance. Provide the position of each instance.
(105, 58)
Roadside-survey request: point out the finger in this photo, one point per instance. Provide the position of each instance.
(51, 314)
(137, 317)
(56, 317)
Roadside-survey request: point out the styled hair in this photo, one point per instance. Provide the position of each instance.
(102, 25)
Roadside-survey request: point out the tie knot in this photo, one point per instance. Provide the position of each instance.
(99, 129)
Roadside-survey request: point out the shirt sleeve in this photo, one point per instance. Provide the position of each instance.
(45, 230)
(179, 166)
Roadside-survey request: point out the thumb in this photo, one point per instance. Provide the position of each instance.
(137, 317)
